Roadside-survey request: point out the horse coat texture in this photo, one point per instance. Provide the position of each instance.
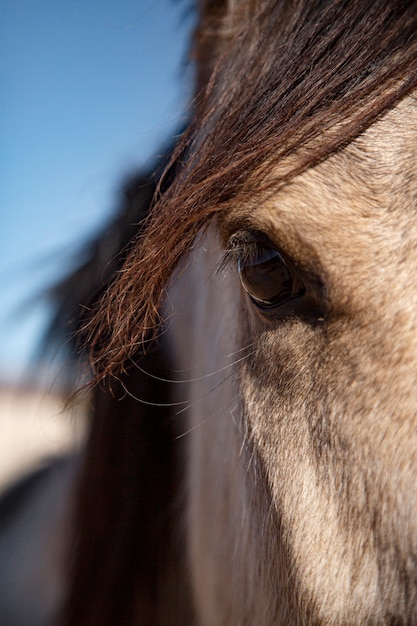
(253, 447)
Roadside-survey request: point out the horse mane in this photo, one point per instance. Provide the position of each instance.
(118, 527)
(293, 83)
(126, 564)
(97, 263)
(120, 557)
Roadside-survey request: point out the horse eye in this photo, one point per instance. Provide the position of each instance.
(268, 279)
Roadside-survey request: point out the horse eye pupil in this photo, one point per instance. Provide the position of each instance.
(268, 279)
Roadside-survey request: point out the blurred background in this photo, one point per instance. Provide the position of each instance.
(89, 91)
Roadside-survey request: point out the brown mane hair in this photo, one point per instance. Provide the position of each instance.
(295, 78)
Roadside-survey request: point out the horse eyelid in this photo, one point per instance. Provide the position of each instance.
(241, 247)
(244, 247)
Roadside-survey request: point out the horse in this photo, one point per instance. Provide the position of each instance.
(253, 443)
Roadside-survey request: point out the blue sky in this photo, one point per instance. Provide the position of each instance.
(88, 91)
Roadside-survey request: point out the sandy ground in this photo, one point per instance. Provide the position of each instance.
(34, 427)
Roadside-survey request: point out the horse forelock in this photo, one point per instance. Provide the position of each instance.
(288, 88)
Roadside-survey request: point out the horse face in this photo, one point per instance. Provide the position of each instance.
(302, 435)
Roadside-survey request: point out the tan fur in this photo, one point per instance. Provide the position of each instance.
(302, 495)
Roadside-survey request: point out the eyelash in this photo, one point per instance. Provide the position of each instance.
(274, 284)
(242, 247)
